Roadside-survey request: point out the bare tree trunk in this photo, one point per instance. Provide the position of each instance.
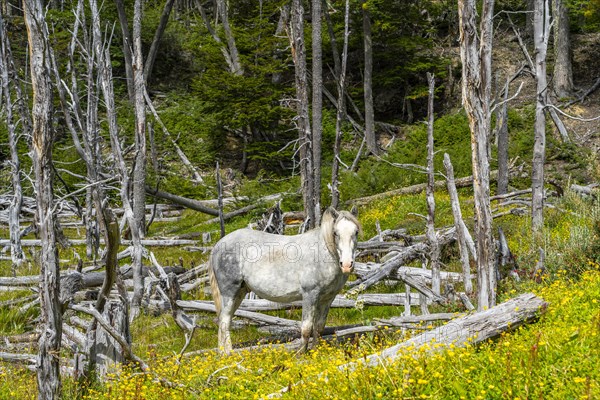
(541, 28)
(476, 56)
(335, 54)
(317, 105)
(368, 83)
(160, 30)
(341, 111)
(461, 229)
(106, 79)
(233, 52)
(563, 71)
(139, 170)
(47, 364)
(127, 48)
(16, 251)
(434, 247)
(303, 122)
(502, 135)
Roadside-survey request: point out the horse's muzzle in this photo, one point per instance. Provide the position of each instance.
(347, 267)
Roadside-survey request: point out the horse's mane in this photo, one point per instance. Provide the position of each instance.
(328, 221)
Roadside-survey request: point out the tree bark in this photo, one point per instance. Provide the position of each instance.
(303, 122)
(317, 105)
(459, 224)
(541, 28)
(340, 114)
(368, 83)
(16, 251)
(127, 48)
(160, 30)
(476, 56)
(434, 248)
(563, 71)
(233, 51)
(139, 171)
(47, 363)
(502, 135)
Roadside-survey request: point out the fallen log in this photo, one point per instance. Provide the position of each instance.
(415, 189)
(18, 358)
(184, 201)
(80, 242)
(340, 301)
(363, 269)
(590, 190)
(90, 279)
(469, 329)
(407, 255)
(261, 319)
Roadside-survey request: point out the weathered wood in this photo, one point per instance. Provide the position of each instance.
(78, 242)
(191, 274)
(462, 233)
(415, 319)
(363, 269)
(42, 137)
(467, 330)
(18, 358)
(432, 240)
(259, 318)
(409, 254)
(189, 203)
(90, 279)
(340, 301)
(592, 190)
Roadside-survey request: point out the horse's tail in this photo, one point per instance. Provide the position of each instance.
(214, 286)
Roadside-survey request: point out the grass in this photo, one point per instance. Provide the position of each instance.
(553, 358)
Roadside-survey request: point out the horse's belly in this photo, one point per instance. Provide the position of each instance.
(274, 286)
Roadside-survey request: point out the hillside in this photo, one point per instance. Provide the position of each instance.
(223, 109)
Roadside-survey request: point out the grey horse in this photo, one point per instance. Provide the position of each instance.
(312, 267)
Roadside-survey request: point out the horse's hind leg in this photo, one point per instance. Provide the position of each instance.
(230, 304)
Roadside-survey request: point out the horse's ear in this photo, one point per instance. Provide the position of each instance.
(331, 211)
(354, 211)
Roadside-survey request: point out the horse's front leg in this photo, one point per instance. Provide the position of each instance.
(321, 317)
(309, 301)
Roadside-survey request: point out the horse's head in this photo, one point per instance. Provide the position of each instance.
(340, 230)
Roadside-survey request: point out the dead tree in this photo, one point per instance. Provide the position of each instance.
(434, 246)
(462, 233)
(563, 71)
(139, 171)
(303, 120)
(106, 79)
(127, 47)
(7, 75)
(370, 135)
(317, 106)
(340, 114)
(48, 366)
(476, 56)
(158, 34)
(233, 51)
(541, 35)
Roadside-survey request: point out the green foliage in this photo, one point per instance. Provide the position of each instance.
(584, 15)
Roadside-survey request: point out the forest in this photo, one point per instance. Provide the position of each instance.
(159, 158)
